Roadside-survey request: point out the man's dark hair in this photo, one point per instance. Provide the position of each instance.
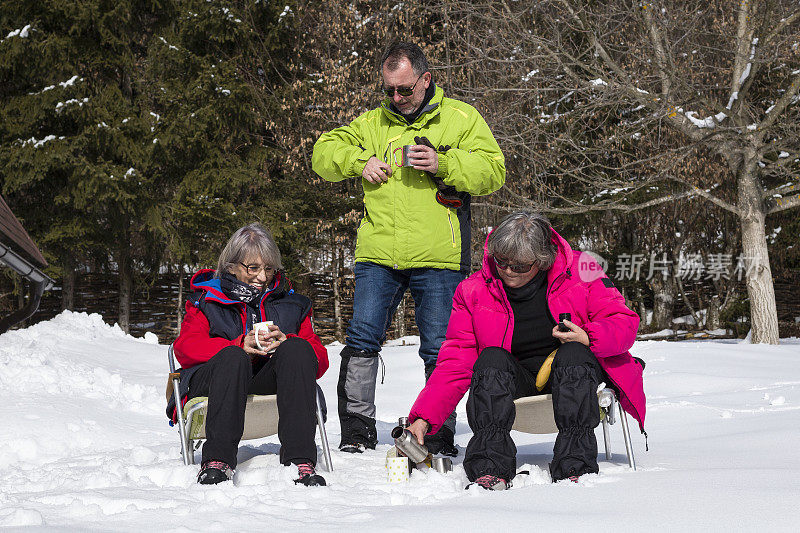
(398, 50)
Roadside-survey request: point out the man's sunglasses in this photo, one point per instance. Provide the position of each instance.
(503, 264)
(402, 91)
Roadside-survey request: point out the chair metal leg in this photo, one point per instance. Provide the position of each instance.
(323, 435)
(607, 437)
(185, 446)
(626, 433)
(188, 428)
(607, 399)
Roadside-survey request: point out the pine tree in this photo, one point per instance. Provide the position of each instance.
(128, 131)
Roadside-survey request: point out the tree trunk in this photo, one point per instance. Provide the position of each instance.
(663, 301)
(642, 310)
(642, 315)
(179, 314)
(695, 315)
(125, 283)
(68, 283)
(712, 314)
(760, 289)
(337, 293)
(628, 301)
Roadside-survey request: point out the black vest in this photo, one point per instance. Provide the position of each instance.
(229, 319)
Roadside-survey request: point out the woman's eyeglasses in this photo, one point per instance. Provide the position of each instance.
(503, 264)
(402, 91)
(255, 270)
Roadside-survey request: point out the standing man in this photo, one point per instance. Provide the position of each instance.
(415, 233)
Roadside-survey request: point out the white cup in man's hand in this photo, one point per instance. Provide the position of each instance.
(257, 327)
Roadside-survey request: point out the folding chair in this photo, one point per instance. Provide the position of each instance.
(535, 415)
(260, 418)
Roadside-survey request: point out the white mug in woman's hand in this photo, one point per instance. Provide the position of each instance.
(257, 327)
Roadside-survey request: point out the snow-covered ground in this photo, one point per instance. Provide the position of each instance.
(85, 445)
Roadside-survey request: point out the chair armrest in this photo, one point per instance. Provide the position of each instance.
(171, 382)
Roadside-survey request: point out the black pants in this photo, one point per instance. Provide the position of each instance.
(498, 379)
(227, 379)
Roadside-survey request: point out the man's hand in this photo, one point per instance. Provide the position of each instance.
(419, 428)
(424, 158)
(376, 171)
(575, 333)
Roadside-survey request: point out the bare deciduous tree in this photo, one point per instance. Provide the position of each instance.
(621, 105)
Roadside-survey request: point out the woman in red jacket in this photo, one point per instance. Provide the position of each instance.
(503, 328)
(221, 357)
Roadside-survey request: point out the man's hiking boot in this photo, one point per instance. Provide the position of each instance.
(490, 482)
(353, 447)
(213, 472)
(449, 450)
(309, 476)
(442, 443)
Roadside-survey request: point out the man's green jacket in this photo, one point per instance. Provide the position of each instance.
(403, 224)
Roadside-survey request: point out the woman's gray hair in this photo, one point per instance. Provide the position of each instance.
(251, 240)
(524, 237)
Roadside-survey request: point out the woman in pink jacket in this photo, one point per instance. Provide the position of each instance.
(502, 329)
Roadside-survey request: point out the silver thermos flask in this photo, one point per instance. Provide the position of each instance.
(407, 443)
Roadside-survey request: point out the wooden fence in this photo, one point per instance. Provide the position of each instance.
(154, 307)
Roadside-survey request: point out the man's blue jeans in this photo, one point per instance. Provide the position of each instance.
(377, 293)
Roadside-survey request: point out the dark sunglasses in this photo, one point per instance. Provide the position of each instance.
(402, 91)
(254, 270)
(503, 264)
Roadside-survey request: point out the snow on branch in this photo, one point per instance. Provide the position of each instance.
(708, 122)
(170, 46)
(582, 208)
(60, 106)
(22, 33)
(781, 190)
(782, 204)
(749, 65)
(790, 96)
(39, 143)
(63, 84)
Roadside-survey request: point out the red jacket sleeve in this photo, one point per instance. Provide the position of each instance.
(194, 345)
(307, 332)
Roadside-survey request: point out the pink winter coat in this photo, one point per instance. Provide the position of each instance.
(482, 317)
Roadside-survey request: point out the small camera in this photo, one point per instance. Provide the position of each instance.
(561, 318)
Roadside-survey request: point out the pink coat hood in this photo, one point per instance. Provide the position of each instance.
(482, 317)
